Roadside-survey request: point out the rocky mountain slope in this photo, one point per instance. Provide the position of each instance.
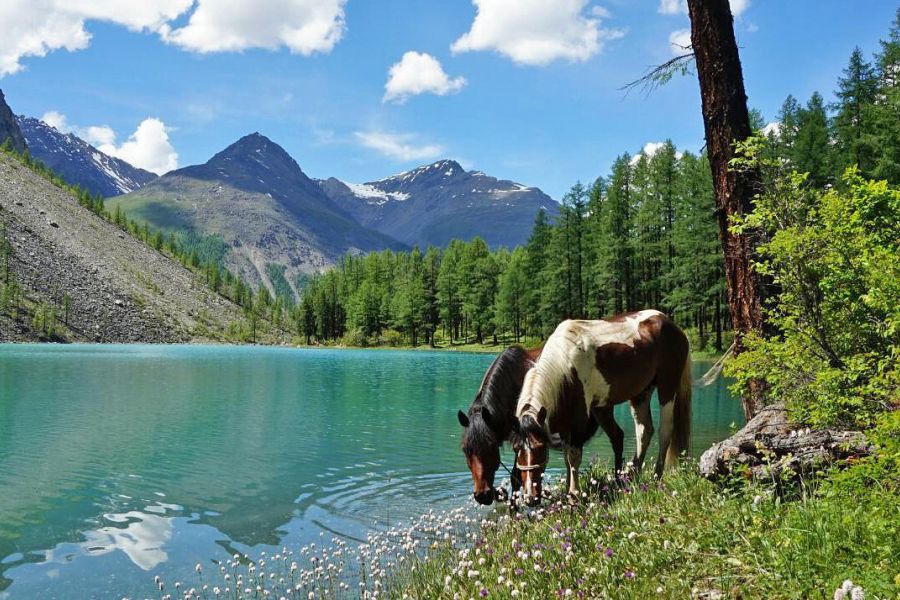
(268, 212)
(9, 128)
(436, 203)
(79, 163)
(119, 289)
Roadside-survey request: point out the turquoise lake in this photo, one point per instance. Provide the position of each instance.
(118, 463)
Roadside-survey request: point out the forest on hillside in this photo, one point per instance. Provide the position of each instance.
(643, 236)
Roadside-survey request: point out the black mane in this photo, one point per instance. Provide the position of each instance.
(528, 426)
(492, 413)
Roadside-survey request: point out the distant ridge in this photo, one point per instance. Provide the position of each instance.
(436, 203)
(80, 163)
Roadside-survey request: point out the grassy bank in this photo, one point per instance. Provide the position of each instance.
(681, 538)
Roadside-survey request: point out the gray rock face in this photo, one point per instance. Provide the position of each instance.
(436, 203)
(770, 446)
(120, 290)
(9, 129)
(79, 163)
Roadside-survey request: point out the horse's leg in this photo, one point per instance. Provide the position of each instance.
(606, 419)
(643, 426)
(573, 462)
(666, 425)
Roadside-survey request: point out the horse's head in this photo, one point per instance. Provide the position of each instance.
(531, 444)
(482, 450)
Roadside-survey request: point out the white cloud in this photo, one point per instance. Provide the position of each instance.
(419, 73)
(147, 148)
(739, 6)
(680, 41)
(675, 7)
(56, 120)
(672, 7)
(651, 148)
(771, 128)
(400, 146)
(536, 32)
(98, 135)
(303, 26)
(37, 27)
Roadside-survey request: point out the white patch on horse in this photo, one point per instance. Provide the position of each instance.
(570, 346)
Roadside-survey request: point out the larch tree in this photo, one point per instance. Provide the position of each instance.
(726, 121)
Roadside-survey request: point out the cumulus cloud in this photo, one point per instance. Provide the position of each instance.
(537, 32)
(56, 120)
(96, 135)
(651, 148)
(419, 73)
(399, 146)
(147, 148)
(675, 7)
(37, 27)
(773, 128)
(680, 41)
(303, 26)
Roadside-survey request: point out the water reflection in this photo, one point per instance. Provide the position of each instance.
(142, 540)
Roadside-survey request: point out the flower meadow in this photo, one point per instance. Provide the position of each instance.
(682, 537)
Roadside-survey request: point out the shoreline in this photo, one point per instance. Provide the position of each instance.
(697, 356)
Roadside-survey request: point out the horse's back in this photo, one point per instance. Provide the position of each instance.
(626, 353)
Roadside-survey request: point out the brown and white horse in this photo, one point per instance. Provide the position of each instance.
(585, 369)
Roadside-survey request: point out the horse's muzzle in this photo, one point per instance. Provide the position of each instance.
(486, 497)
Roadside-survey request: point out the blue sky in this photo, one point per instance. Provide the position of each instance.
(527, 95)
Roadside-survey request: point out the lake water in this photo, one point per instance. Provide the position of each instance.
(118, 463)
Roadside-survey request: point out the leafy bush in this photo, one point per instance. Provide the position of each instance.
(355, 337)
(391, 337)
(833, 259)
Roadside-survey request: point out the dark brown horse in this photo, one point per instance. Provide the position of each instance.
(585, 369)
(492, 417)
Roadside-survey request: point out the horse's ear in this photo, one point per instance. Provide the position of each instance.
(463, 419)
(542, 416)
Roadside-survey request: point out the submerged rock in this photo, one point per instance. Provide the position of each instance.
(771, 446)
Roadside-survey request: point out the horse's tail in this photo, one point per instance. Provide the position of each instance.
(681, 427)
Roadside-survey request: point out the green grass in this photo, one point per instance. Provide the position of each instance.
(684, 537)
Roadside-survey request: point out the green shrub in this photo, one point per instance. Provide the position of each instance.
(391, 337)
(833, 259)
(355, 337)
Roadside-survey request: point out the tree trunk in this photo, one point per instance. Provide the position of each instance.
(727, 120)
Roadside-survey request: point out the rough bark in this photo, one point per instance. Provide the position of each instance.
(771, 447)
(727, 120)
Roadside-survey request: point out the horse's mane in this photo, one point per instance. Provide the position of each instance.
(543, 383)
(492, 411)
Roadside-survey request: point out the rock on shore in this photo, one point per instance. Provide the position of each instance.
(770, 445)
